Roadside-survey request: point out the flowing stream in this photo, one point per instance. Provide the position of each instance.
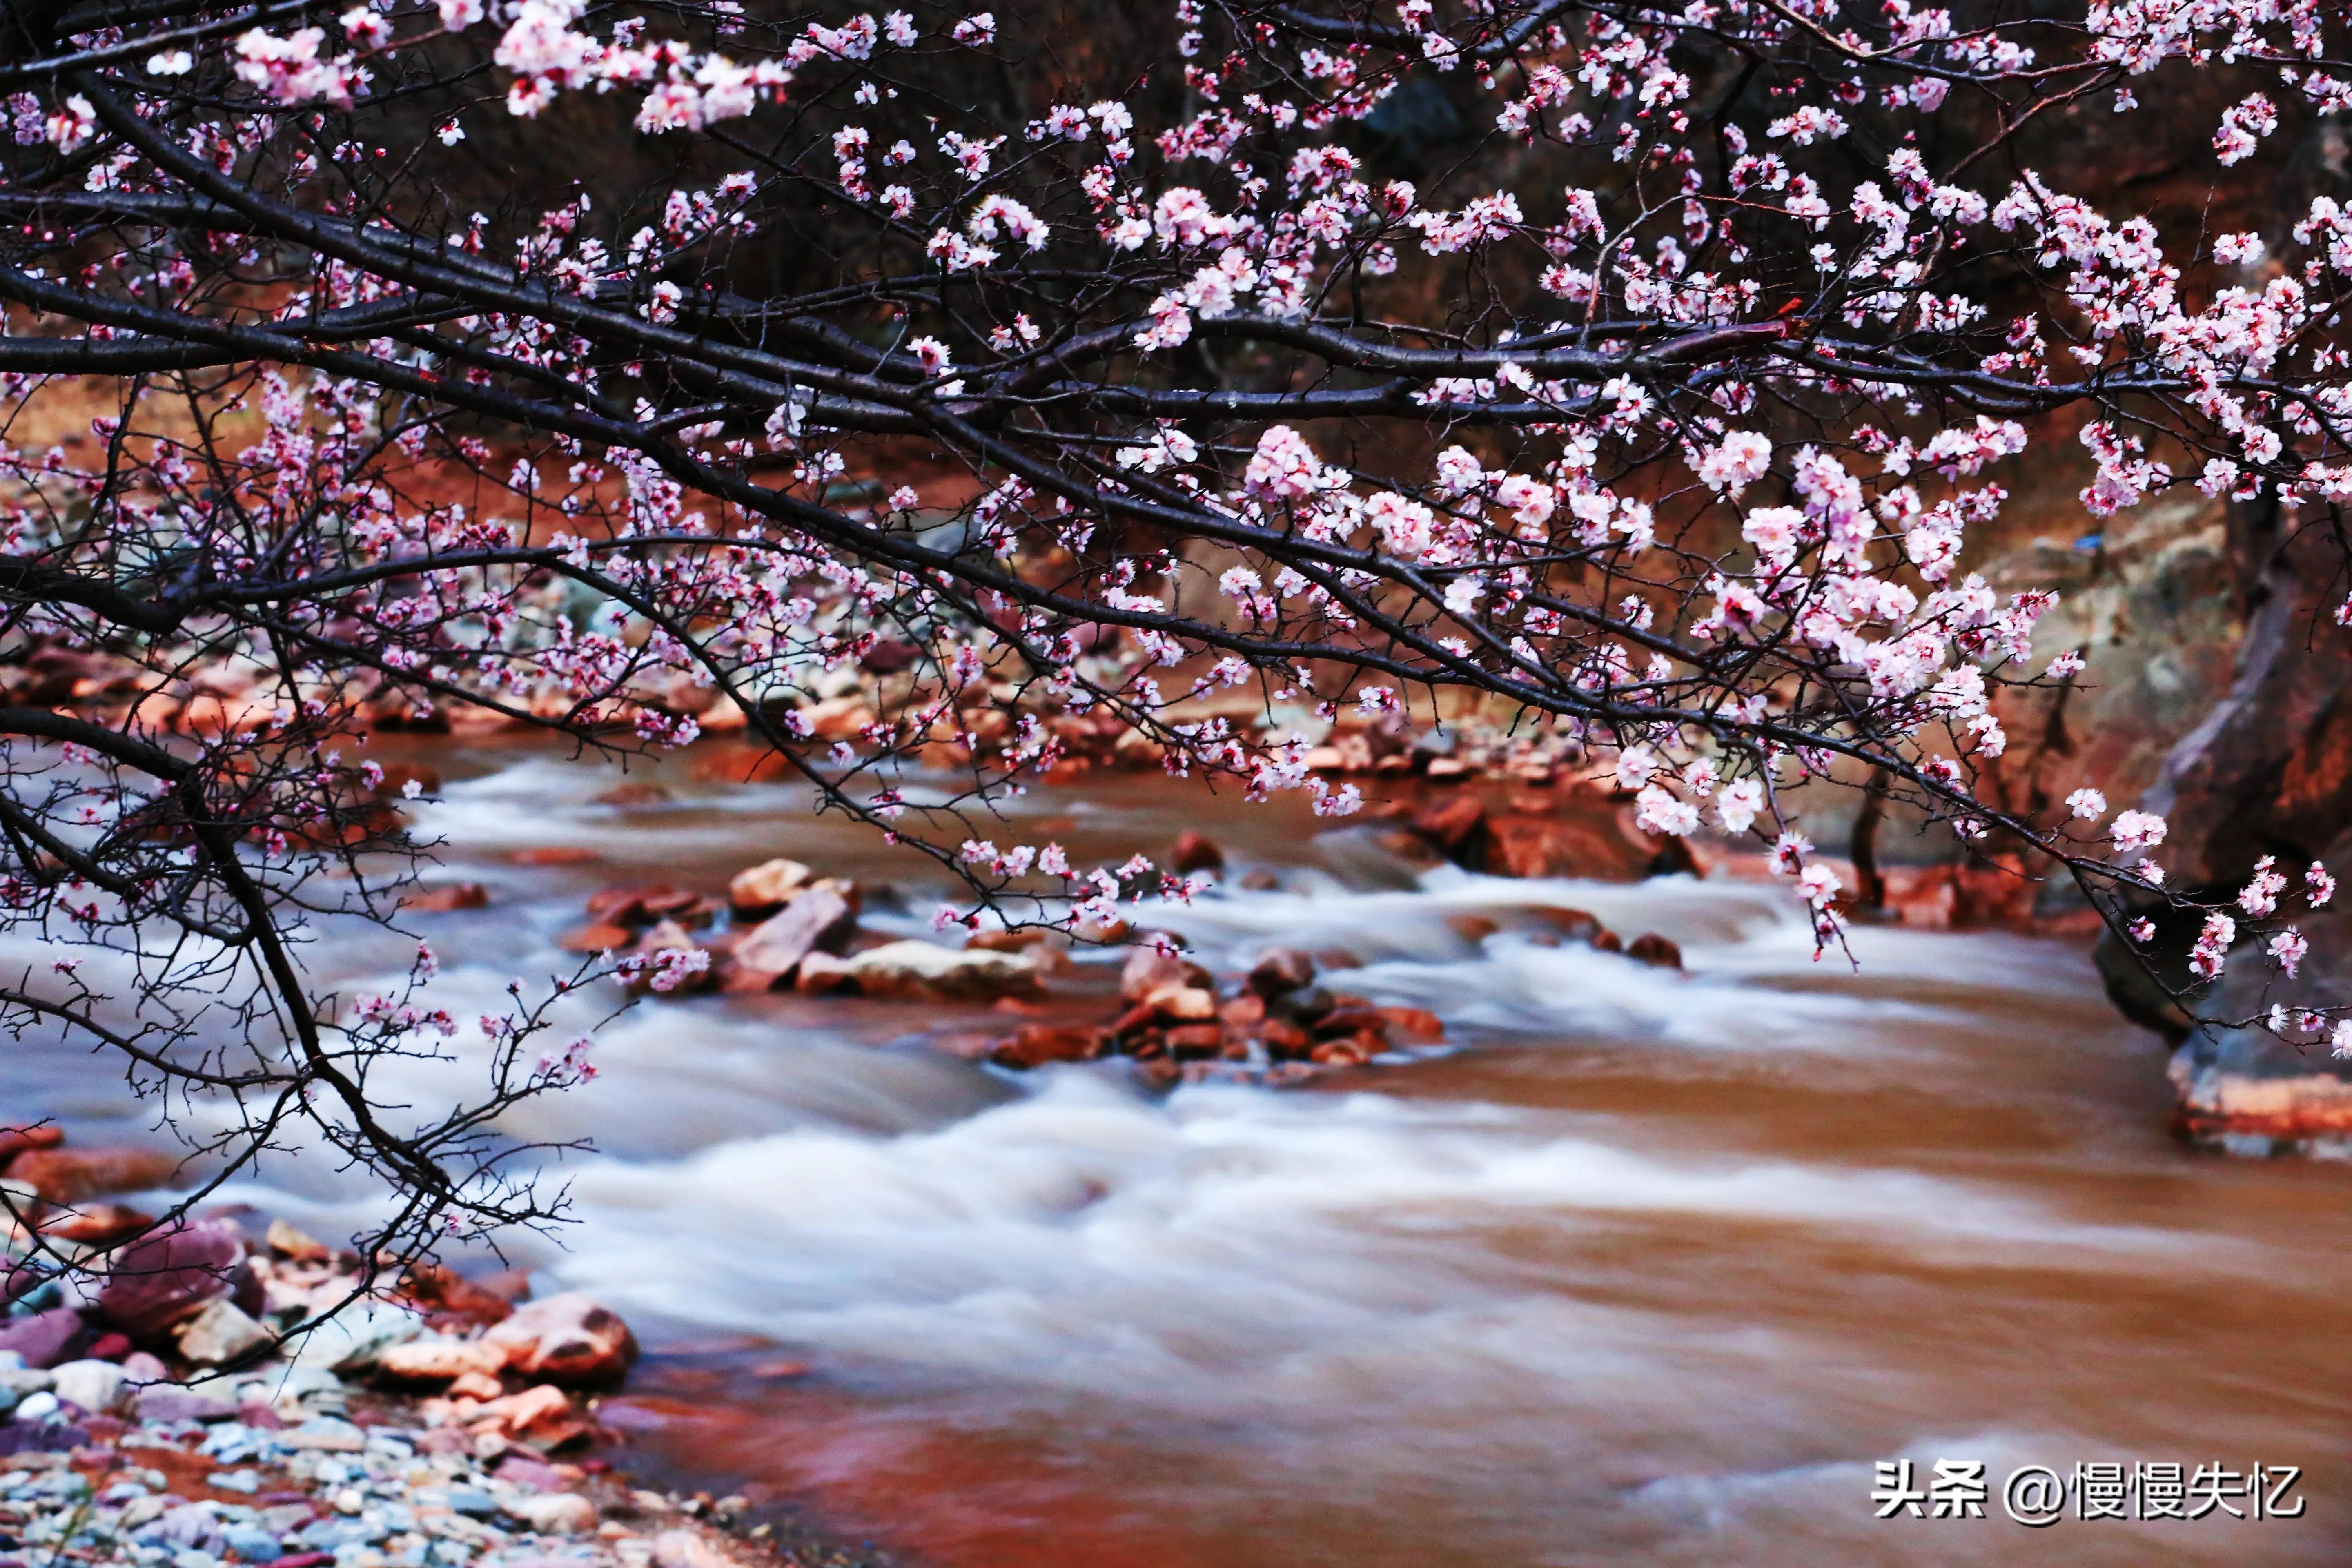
(1650, 1268)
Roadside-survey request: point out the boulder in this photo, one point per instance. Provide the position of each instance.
(448, 896)
(45, 1339)
(1280, 970)
(99, 1224)
(70, 1175)
(451, 1301)
(1038, 1043)
(821, 973)
(556, 1514)
(924, 971)
(91, 1386)
(1196, 851)
(568, 1338)
(684, 1549)
(766, 958)
(222, 1334)
(600, 937)
(766, 887)
(541, 1415)
(1604, 847)
(351, 1338)
(437, 1359)
(172, 1272)
(287, 1241)
(16, 1140)
(1656, 951)
(1184, 1004)
(1457, 829)
(1147, 970)
(166, 1401)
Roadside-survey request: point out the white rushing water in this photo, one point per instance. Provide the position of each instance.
(1649, 1268)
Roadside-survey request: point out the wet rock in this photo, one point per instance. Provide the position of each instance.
(1607, 940)
(1196, 851)
(1448, 770)
(99, 1224)
(1194, 1042)
(439, 1359)
(569, 1338)
(1339, 1054)
(16, 1140)
(90, 1386)
(924, 971)
(766, 887)
(629, 796)
(601, 937)
(1603, 846)
(1147, 970)
(1183, 1003)
(1281, 970)
(70, 1175)
(172, 1272)
(45, 1339)
(1413, 1023)
(1244, 1012)
(166, 1402)
(768, 957)
(355, 1335)
(1038, 1044)
(448, 896)
(1575, 925)
(1457, 829)
(1656, 951)
(220, 1335)
(1303, 1007)
(556, 1514)
(821, 973)
(555, 854)
(1260, 881)
(666, 937)
(641, 907)
(683, 1549)
(286, 1240)
(450, 1302)
(1473, 929)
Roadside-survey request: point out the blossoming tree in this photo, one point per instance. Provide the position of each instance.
(1655, 400)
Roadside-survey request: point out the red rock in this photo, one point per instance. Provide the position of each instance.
(597, 938)
(439, 1361)
(1183, 1003)
(109, 1347)
(1656, 951)
(46, 1339)
(69, 1175)
(1283, 1038)
(1191, 1041)
(1413, 1023)
(1260, 881)
(1358, 1020)
(821, 973)
(447, 897)
(1472, 928)
(1337, 958)
(96, 1223)
(450, 1302)
(1196, 851)
(1585, 844)
(634, 794)
(1458, 828)
(1148, 969)
(566, 1339)
(1244, 1012)
(173, 1272)
(1347, 1053)
(1280, 970)
(16, 1140)
(555, 854)
(1578, 925)
(762, 889)
(771, 952)
(1608, 941)
(1039, 1044)
(629, 906)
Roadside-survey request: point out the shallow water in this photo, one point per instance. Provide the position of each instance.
(1651, 1270)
